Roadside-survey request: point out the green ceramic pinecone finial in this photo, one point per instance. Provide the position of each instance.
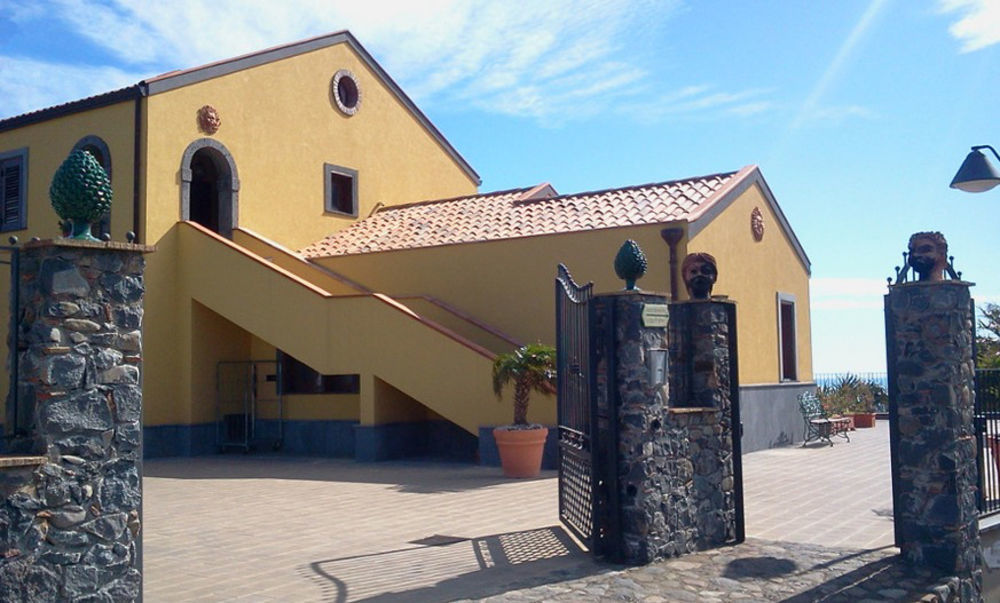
(81, 192)
(630, 264)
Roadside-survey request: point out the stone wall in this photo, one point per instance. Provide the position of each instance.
(703, 384)
(700, 358)
(674, 487)
(70, 525)
(931, 380)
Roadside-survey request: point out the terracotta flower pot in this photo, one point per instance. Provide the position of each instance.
(521, 450)
(864, 420)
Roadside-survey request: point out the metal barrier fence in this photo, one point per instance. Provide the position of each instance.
(828, 379)
(988, 436)
(832, 379)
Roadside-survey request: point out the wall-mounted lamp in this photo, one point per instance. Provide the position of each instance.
(977, 174)
(656, 362)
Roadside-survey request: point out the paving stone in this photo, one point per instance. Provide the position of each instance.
(355, 535)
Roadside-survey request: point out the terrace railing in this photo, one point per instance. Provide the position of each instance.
(988, 435)
(831, 379)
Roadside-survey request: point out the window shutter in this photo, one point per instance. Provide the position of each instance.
(11, 175)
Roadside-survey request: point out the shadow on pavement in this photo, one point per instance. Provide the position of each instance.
(416, 476)
(888, 578)
(759, 567)
(472, 568)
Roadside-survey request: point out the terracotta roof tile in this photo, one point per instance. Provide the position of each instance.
(520, 212)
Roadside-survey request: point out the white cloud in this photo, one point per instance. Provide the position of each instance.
(22, 89)
(840, 60)
(978, 24)
(552, 61)
(700, 99)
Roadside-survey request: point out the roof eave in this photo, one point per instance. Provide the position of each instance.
(77, 106)
(173, 80)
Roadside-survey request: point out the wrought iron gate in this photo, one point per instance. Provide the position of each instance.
(988, 432)
(577, 478)
(17, 417)
(736, 427)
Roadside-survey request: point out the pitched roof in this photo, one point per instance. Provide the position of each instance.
(525, 213)
(179, 78)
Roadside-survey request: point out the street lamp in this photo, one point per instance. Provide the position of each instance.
(977, 174)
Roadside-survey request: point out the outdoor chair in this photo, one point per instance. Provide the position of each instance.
(818, 425)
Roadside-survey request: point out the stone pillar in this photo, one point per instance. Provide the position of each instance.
(704, 394)
(932, 392)
(71, 528)
(670, 470)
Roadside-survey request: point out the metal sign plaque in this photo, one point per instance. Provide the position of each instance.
(655, 315)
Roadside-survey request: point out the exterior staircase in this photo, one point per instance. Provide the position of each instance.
(431, 352)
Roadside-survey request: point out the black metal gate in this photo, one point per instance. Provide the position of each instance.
(988, 436)
(736, 427)
(577, 478)
(17, 416)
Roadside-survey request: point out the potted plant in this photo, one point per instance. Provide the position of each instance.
(531, 368)
(851, 397)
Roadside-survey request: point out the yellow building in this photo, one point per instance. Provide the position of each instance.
(380, 331)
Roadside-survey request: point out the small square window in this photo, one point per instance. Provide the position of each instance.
(340, 186)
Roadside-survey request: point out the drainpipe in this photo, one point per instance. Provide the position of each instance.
(142, 90)
(673, 236)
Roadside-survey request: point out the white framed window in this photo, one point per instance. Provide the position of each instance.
(788, 357)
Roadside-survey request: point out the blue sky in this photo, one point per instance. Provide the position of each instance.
(859, 112)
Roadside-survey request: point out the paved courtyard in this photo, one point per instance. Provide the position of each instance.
(272, 528)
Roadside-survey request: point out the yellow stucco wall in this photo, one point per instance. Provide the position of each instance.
(311, 406)
(215, 339)
(50, 142)
(751, 273)
(294, 263)
(281, 125)
(509, 284)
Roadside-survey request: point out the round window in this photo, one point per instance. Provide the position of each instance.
(345, 92)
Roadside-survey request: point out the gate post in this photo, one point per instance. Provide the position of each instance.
(633, 456)
(70, 514)
(672, 474)
(929, 326)
(704, 401)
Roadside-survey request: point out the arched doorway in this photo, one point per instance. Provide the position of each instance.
(210, 186)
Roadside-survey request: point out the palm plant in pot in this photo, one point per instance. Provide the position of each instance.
(853, 397)
(532, 368)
